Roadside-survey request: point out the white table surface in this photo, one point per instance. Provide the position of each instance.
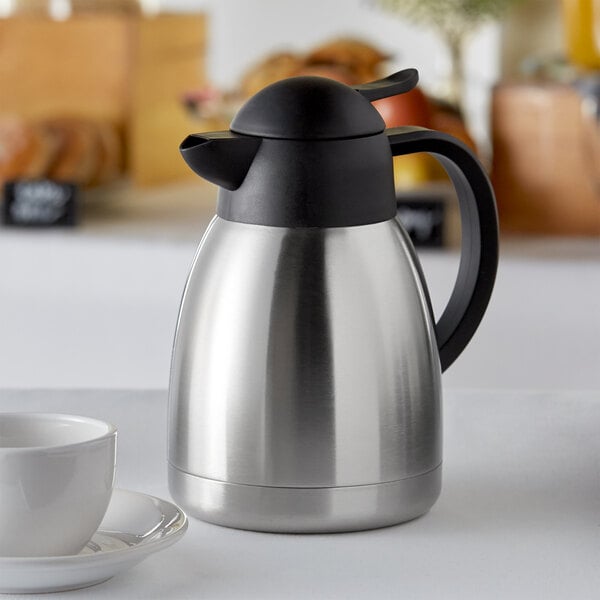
(518, 518)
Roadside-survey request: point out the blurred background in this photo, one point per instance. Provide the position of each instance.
(101, 217)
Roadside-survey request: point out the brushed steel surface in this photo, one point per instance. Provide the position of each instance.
(304, 358)
(306, 510)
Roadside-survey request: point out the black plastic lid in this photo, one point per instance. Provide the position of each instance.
(304, 152)
(308, 108)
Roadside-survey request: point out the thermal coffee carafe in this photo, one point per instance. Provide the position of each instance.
(306, 374)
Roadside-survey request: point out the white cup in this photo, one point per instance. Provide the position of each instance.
(56, 480)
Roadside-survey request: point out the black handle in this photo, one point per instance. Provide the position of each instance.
(479, 249)
(398, 83)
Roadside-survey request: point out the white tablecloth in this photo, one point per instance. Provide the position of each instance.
(518, 518)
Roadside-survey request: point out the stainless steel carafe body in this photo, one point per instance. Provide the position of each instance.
(305, 383)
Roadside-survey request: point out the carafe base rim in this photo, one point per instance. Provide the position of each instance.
(305, 510)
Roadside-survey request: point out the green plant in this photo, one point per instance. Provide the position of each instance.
(453, 20)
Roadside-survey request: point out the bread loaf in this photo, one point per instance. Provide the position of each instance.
(79, 151)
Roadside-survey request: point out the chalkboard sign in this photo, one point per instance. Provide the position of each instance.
(39, 203)
(423, 220)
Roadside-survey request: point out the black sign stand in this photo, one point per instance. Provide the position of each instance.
(40, 203)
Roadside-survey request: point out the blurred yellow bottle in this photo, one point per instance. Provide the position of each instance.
(582, 28)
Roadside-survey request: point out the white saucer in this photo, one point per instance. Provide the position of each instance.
(134, 527)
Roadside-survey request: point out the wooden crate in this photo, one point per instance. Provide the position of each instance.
(78, 67)
(123, 68)
(167, 63)
(543, 169)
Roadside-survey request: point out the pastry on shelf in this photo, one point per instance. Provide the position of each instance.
(360, 60)
(273, 68)
(79, 154)
(81, 151)
(26, 149)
